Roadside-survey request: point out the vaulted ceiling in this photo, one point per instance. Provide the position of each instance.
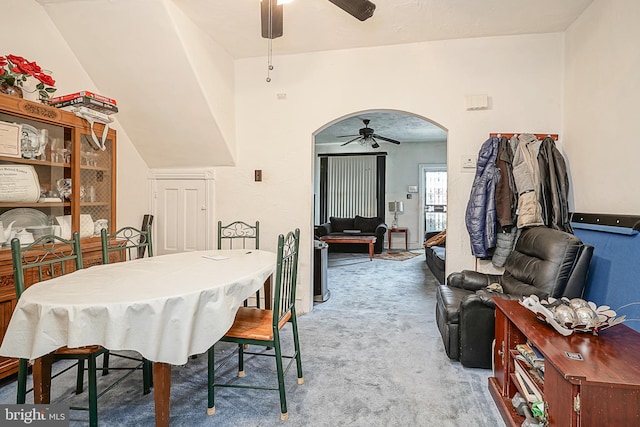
(127, 46)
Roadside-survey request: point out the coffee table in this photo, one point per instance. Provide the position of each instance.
(369, 240)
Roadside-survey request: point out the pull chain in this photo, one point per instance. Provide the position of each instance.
(269, 64)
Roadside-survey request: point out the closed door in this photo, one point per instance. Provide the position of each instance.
(181, 216)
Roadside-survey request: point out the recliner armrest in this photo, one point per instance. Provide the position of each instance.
(476, 327)
(471, 280)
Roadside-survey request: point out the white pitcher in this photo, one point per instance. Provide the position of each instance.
(5, 234)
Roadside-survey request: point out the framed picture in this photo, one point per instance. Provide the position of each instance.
(10, 139)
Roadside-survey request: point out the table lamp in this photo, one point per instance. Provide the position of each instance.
(395, 207)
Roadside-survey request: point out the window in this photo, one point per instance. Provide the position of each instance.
(435, 199)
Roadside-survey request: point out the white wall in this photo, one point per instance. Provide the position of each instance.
(43, 44)
(521, 74)
(601, 108)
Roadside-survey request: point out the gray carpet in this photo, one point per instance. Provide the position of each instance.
(371, 354)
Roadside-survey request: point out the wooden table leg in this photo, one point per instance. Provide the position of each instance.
(42, 379)
(370, 251)
(267, 293)
(161, 392)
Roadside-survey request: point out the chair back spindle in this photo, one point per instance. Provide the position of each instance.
(47, 257)
(128, 242)
(238, 234)
(286, 276)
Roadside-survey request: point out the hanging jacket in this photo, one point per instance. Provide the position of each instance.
(506, 192)
(480, 216)
(526, 175)
(554, 187)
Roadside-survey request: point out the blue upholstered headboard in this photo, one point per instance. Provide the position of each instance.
(614, 273)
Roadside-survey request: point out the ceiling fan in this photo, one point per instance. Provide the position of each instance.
(367, 135)
(271, 12)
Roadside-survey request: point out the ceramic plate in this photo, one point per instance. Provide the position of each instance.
(23, 217)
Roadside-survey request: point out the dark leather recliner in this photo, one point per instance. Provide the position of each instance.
(545, 262)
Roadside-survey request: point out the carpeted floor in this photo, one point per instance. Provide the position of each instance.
(372, 356)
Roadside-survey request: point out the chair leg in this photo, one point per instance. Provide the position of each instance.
(147, 376)
(211, 407)
(93, 391)
(296, 344)
(105, 363)
(283, 398)
(258, 299)
(80, 377)
(23, 366)
(241, 360)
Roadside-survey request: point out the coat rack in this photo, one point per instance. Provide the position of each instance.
(553, 136)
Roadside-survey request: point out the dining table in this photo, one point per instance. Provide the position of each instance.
(167, 308)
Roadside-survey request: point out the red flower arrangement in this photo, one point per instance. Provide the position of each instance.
(14, 71)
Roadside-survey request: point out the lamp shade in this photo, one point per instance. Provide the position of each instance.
(396, 206)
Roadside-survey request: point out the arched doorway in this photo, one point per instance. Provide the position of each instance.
(423, 147)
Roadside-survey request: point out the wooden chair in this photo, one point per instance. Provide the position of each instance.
(262, 326)
(240, 235)
(48, 257)
(126, 244)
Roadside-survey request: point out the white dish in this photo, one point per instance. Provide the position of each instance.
(24, 217)
(86, 226)
(65, 226)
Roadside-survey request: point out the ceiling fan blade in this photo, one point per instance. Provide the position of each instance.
(360, 9)
(271, 28)
(374, 144)
(351, 140)
(346, 136)
(386, 139)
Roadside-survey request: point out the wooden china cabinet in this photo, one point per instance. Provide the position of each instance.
(588, 380)
(69, 154)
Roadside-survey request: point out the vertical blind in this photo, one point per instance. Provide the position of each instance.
(351, 186)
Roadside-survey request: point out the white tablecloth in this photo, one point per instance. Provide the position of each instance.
(166, 307)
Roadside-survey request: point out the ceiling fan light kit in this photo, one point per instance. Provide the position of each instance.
(360, 9)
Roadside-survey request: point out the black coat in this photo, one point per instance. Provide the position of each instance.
(554, 187)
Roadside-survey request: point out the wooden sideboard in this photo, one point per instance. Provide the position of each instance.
(599, 387)
(69, 154)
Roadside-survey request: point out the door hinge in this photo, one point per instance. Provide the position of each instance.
(576, 403)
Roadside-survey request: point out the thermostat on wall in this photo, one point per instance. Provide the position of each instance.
(412, 189)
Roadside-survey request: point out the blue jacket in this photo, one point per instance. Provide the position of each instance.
(480, 216)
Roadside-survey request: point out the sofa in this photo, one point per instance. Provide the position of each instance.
(435, 255)
(357, 226)
(545, 262)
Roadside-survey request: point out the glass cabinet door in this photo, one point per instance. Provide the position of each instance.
(96, 184)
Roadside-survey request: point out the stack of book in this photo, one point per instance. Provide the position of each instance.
(87, 99)
(529, 372)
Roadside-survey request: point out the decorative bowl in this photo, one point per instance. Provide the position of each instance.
(569, 315)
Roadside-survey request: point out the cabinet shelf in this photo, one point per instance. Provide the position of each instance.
(33, 162)
(34, 205)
